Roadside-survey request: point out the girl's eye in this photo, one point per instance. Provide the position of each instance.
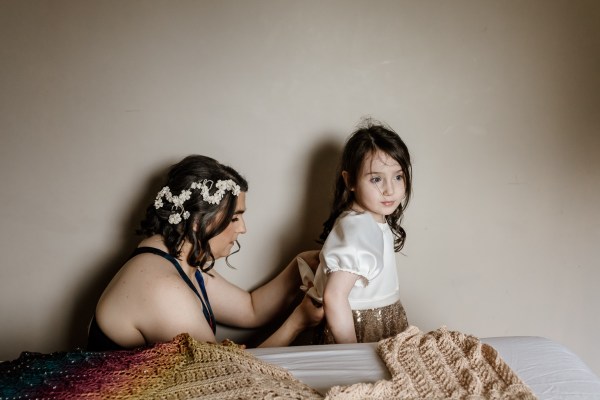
(235, 219)
(375, 179)
(399, 177)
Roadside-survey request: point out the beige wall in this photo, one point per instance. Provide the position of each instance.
(498, 101)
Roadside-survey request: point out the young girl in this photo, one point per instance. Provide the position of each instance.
(357, 275)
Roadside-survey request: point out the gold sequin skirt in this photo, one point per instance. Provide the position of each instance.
(374, 324)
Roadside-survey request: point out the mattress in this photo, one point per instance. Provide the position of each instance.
(551, 370)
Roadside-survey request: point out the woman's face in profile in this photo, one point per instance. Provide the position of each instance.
(222, 244)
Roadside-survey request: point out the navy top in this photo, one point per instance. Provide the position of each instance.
(98, 341)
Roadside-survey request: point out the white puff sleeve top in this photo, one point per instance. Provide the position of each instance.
(360, 245)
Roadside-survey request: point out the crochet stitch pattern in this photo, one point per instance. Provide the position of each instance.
(180, 369)
(439, 365)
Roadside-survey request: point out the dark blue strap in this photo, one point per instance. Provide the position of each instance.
(211, 317)
(206, 308)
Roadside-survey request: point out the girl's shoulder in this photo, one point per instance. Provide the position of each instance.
(355, 227)
(355, 244)
(355, 220)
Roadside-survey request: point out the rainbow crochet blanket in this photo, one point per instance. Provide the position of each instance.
(180, 369)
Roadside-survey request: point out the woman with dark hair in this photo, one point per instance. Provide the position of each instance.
(168, 286)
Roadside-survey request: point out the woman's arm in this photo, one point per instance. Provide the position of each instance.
(276, 295)
(337, 307)
(237, 307)
(305, 315)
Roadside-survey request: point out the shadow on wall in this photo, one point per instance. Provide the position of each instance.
(308, 221)
(84, 303)
(318, 195)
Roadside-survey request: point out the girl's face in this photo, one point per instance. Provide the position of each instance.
(379, 185)
(222, 244)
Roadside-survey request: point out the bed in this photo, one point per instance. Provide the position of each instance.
(552, 371)
(184, 368)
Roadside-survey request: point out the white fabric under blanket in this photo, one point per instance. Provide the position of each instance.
(552, 371)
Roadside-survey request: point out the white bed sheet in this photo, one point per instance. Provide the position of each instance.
(552, 371)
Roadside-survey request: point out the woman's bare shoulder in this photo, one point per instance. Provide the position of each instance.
(142, 280)
(148, 263)
(150, 272)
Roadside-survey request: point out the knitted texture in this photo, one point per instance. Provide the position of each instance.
(439, 365)
(180, 369)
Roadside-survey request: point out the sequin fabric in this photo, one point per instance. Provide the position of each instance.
(375, 324)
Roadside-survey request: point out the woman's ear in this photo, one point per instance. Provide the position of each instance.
(346, 176)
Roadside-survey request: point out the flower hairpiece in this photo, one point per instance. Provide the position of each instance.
(204, 186)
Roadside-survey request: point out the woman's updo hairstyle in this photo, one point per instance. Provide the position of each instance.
(205, 220)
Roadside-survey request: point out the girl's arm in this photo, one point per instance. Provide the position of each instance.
(337, 307)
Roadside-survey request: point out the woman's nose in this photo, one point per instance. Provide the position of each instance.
(242, 226)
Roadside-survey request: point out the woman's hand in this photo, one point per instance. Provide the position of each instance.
(310, 313)
(305, 315)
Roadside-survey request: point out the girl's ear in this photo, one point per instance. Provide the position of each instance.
(346, 176)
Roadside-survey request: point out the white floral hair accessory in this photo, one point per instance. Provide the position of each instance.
(204, 186)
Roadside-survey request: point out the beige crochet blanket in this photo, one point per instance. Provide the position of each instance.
(440, 364)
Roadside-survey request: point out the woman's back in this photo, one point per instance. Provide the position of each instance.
(147, 301)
